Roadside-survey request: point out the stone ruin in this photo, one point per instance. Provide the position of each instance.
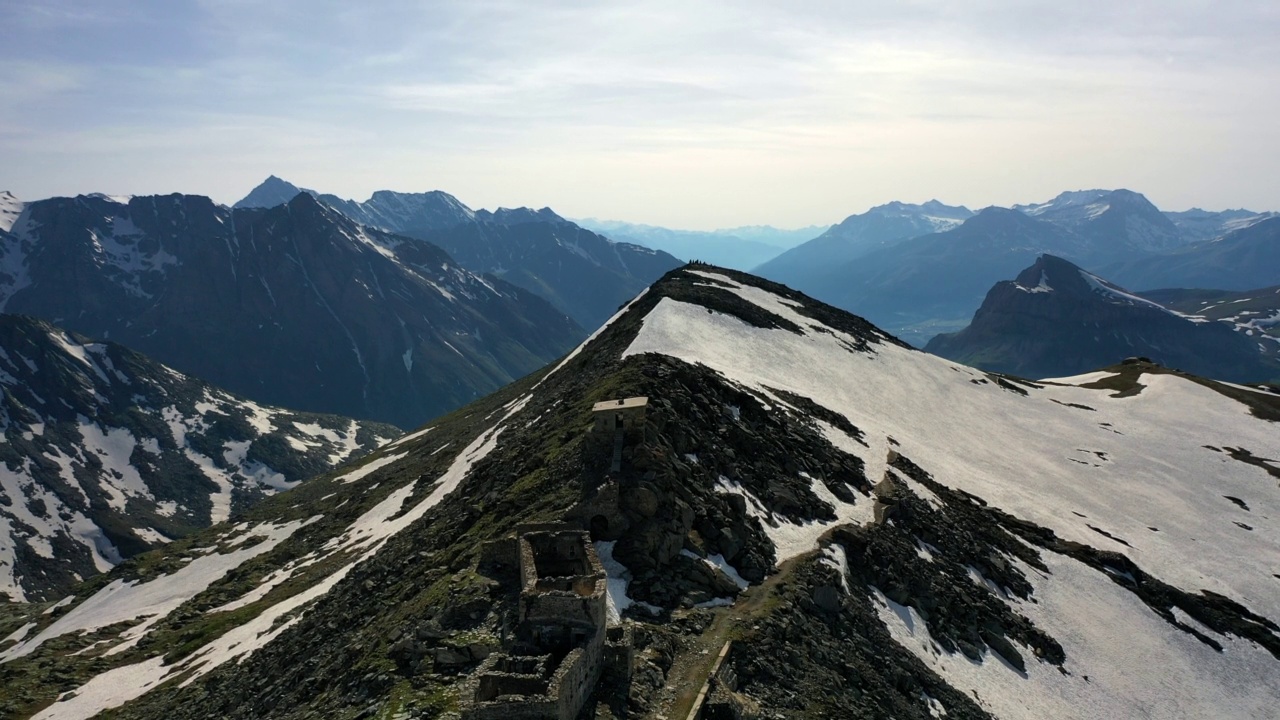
(562, 643)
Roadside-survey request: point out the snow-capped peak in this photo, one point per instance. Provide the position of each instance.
(1071, 198)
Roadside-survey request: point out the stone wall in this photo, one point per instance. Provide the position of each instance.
(563, 609)
(576, 677)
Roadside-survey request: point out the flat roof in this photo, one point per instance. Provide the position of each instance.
(624, 404)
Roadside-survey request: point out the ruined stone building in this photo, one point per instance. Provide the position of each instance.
(614, 419)
(562, 643)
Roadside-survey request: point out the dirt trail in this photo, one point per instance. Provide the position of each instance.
(690, 668)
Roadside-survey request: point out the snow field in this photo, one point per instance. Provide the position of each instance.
(1150, 470)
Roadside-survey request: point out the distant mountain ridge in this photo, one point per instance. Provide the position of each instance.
(107, 454)
(1242, 259)
(1119, 222)
(858, 235)
(741, 248)
(932, 281)
(1198, 225)
(1056, 320)
(294, 305)
(584, 275)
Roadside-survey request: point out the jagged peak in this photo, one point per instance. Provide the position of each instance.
(520, 215)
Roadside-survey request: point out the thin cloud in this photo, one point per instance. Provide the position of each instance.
(798, 113)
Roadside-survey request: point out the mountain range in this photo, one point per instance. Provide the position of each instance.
(858, 235)
(1243, 259)
(918, 270)
(1056, 319)
(108, 454)
(883, 533)
(741, 248)
(584, 275)
(295, 305)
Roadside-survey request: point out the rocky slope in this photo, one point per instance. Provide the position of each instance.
(584, 275)
(1056, 319)
(294, 305)
(880, 532)
(108, 454)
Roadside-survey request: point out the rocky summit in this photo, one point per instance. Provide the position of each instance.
(1057, 319)
(732, 501)
(108, 454)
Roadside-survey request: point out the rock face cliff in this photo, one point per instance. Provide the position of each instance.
(807, 518)
(1056, 319)
(294, 305)
(108, 454)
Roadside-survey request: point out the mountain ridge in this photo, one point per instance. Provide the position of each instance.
(584, 275)
(294, 305)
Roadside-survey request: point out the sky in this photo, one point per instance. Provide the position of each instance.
(679, 113)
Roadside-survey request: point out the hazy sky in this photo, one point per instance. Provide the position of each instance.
(682, 113)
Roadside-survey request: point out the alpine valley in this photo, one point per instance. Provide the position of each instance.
(791, 515)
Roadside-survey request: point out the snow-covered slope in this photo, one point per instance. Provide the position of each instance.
(10, 209)
(1252, 313)
(108, 454)
(1149, 475)
(1100, 546)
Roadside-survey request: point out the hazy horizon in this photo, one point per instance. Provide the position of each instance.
(657, 112)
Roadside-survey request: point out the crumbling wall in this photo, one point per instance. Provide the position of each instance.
(576, 677)
(563, 609)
